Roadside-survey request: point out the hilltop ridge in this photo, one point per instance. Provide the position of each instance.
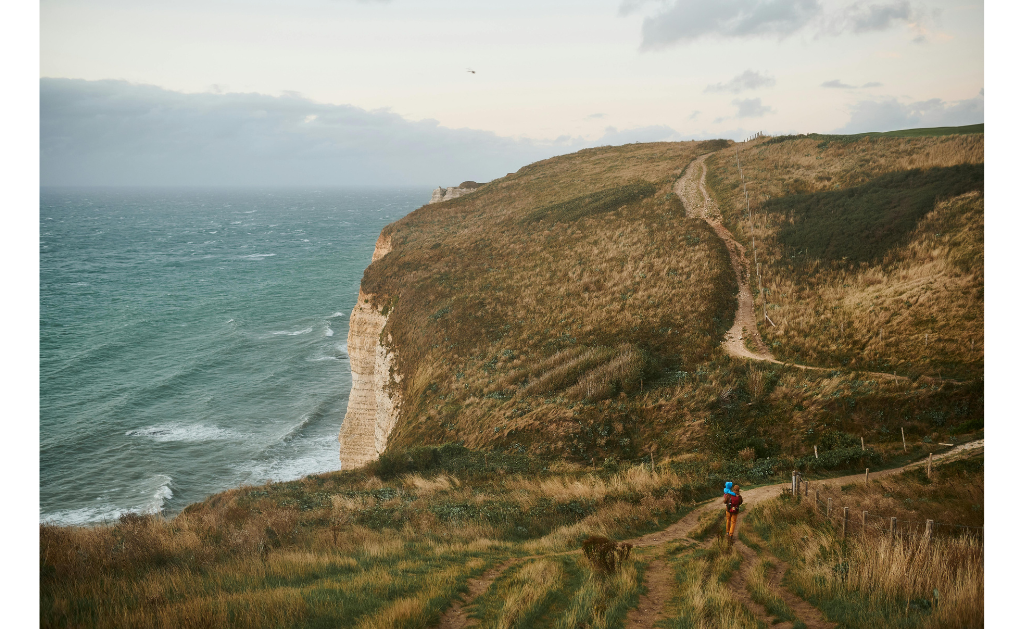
(573, 309)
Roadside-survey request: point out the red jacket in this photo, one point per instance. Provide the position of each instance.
(732, 503)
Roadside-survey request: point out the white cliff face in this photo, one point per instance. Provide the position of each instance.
(373, 405)
(447, 194)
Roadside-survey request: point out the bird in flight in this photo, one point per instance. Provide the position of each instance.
(470, 70)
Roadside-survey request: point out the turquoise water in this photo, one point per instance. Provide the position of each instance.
(194, 340)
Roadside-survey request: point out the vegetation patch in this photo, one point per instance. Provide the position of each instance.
(863, 223)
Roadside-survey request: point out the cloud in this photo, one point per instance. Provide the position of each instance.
(837, 84)
(751, 108)
(888, 114)
(865, 18)
(595, 116)
(696, 112)
(656, 133)
(749, 80)
(685, 21)
(116, 133)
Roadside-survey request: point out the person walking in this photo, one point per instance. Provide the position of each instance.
(733, 500)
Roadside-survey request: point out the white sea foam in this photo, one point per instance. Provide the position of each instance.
(160, 494)
(84, 515)
(195, 433)
(153, 496)
(321, 455)
(257, 256)
(329, 331)
(336, 314)
(296, 333)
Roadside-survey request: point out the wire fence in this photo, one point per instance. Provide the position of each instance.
(853, 521)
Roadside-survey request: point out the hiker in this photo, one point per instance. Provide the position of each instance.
(733, 500)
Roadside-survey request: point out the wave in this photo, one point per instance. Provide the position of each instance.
(329, 331)
(83, 515)
(162, 492)
(158, 490)
(320, 455)
(287, 333)
(196, 433)
(318, 413)
(258, 256)
(336, 314)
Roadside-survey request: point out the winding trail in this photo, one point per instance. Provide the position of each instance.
(742, 340)
(658, 578)
(699, 204)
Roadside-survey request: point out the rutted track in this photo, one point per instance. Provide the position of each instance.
(658, 574)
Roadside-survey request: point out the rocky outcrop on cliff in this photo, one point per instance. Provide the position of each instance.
(449, 193)
(373, 404)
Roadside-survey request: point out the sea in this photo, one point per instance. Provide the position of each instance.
(194, 340)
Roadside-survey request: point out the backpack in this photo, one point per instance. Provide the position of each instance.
(734, 504)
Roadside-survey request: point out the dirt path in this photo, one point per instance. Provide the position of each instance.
(804, 611)
(658, 578)
(456, 617)
(692, 189)
(699, 204)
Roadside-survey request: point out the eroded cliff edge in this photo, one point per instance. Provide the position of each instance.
(373, 403)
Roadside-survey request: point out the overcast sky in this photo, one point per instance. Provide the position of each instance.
(347, 91)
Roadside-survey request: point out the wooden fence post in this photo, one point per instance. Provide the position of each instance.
(815, 451)
(866, 469)
(904, 435)
(846, 518)
(929, 465)
(928, 529)
(793, 484)
(862, 444)
(864, 523)
(892, 528)
(815, 500)
(828, 509)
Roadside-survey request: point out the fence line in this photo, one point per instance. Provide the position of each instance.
(840, 516)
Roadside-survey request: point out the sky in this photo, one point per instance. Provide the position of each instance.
(306, 92)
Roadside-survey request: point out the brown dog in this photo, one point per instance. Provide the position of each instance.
(604, 554)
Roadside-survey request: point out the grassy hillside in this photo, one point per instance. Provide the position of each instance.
(871, 249)
(393, 544)
(536, 308)
(571, 309)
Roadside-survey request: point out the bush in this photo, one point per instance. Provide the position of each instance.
(843, 458)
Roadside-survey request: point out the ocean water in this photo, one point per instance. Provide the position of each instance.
(195, 340)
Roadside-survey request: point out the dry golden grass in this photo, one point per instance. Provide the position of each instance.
(701, 600)
(875, 580)
(917, 310)
(345, 549)
(510, 315)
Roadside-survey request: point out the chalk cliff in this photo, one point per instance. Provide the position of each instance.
(372, 404)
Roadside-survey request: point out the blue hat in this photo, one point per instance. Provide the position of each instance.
(728, 489)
